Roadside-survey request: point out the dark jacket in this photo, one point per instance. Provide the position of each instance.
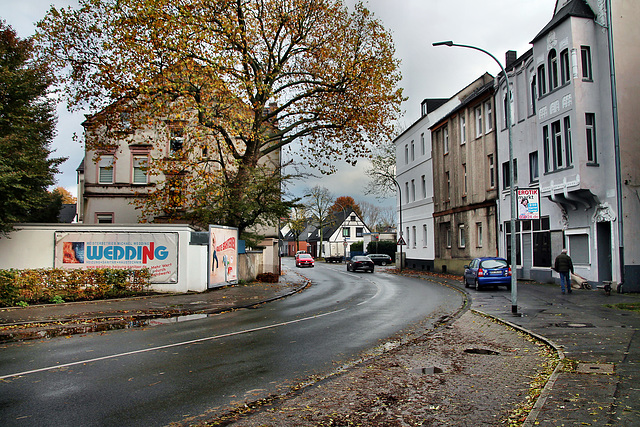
(563, 264)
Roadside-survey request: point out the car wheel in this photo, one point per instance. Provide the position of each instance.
(477, 285)
(383, 263)
(464, 280)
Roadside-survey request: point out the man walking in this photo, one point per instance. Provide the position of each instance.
(564, 266)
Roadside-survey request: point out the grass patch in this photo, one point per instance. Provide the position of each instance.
(630, 306)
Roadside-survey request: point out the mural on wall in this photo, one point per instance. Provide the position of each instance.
(223, 255)
(156, 251)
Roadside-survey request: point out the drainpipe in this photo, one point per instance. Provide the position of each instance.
(616, 143)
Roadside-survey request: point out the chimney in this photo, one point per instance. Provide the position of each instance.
(510, 57)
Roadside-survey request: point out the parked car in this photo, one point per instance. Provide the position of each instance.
(487, 271)
(360, 262)
(304, 260)
(380, 259)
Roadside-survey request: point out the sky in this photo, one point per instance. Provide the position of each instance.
(427, 72)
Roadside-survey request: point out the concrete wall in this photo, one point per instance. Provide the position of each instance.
(33, 246)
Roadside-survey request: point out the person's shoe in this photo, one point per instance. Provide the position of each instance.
(569, 290)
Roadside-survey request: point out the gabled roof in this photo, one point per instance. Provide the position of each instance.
(575, 8)
(335, 222)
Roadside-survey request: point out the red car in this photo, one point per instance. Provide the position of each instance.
(304, 260)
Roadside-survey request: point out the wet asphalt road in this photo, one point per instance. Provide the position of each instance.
(163, 374)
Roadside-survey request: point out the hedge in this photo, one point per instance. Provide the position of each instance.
(38, 286)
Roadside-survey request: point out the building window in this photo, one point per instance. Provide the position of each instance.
(558, 149)
(464, 179)
(445, 132)
(489, 117)
(104, 218)
(406, 188)
(479, 233)
(413, 190)
(546, 146)
(176, 139)
(408, 242)
(492, 172)
(533, 167)
(105, 170)
(478, 113)
(585, 55)
(413, 236)
(424, 187)
(413, 151)
(406, 154)
(463, 129)
(424, 235)
(462, 242)
(346, 232)
(140, 169)
(359, 231)
(557, 153)
(423, 146)
(448, 236)
(567, 141)
(448, 189)
(590, 123)
(540, 237)
(542, 81)
(352, 218)
(579, 248)
(534, 94)
(506, 176)
(553, 69)
(564, 67)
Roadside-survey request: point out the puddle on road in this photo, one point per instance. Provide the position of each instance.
(52, 331)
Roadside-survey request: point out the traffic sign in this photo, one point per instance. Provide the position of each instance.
(401, 241)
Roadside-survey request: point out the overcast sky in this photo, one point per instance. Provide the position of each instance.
(427, 71)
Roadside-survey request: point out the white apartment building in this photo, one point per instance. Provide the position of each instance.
(564, 141)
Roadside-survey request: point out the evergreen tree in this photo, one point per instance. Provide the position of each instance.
(27, 127)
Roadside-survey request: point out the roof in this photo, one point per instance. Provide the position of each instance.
(575, 8)
(67, 213)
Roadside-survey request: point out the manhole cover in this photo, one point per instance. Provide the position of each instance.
(595, 368)
(481, 351)
(574, 325)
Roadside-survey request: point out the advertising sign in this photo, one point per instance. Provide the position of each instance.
(529, 203)
(223, 255)
(156, 251)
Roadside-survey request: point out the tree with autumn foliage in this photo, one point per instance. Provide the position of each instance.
(345, 203)
(244, 78)
(27, 127)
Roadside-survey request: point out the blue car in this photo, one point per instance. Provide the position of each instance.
(488, 271)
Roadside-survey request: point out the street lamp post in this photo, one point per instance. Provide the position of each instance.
(400, 204)
(514, 273)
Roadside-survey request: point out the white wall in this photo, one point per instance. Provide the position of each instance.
(33, 246)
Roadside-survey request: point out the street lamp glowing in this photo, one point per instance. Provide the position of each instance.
(514, 263)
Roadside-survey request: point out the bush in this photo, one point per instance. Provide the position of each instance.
(383, 247)
(58, 285)
(268, 278)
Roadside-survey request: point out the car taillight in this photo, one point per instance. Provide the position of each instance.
(480, 272)
(509, 272)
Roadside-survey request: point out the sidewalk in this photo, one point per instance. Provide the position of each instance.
(599, 384)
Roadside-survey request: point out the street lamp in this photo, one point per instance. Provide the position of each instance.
(400, 204)
(514, 273)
